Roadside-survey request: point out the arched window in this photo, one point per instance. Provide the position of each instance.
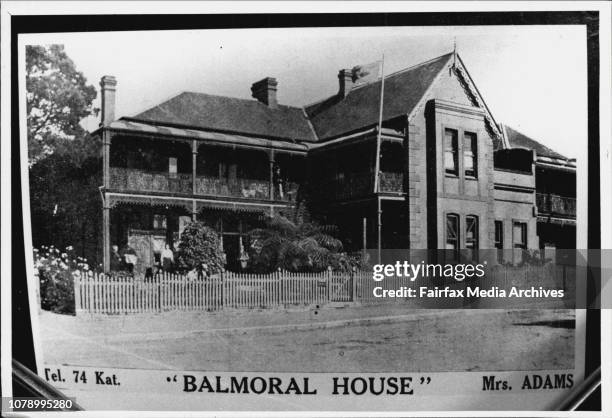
(471, 232)
(452, 235)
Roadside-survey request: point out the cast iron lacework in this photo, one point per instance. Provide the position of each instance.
(114, 200)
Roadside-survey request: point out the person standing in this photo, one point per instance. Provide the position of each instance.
(167, 257)
(130, 258)
(116, 260)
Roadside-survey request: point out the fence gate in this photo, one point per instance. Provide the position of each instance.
(341, 287)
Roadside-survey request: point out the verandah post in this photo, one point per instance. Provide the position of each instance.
(271, 163)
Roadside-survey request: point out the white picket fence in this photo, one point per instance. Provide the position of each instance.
(107, 294)
(100, 293)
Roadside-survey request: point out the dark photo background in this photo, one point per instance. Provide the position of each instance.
(22, 340)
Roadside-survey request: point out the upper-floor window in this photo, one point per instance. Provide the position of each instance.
(519, 235)
(451, 151)
(470, 153)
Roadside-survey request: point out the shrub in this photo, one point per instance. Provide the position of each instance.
(298, 245)
(346, 262)
(200, 244)
(56, 272)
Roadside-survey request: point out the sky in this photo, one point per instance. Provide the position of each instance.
(532, 78)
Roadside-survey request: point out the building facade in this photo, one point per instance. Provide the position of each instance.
(448, 176)
(555, 190)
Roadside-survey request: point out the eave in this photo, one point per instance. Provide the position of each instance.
(218, 138)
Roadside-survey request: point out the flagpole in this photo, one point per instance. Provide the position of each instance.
(377, 162)
(378, 133)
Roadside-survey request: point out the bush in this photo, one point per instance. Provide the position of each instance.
(56, 272)
(200, 244)
(296, 245)
(346, 262)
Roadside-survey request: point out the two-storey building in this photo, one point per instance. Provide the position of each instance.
(447, 177)
(555, 177)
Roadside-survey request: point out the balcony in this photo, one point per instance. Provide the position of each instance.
(552, 204)
(391, 182)
(362, 184)
(163, 182)
(149, 181)
(254, 189)
(352, 186)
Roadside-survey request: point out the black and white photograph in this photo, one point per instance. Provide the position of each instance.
(308, 218)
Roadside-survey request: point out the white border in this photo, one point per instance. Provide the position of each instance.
(9, 8)
(605, 110)
(25, 199)
(5, 187)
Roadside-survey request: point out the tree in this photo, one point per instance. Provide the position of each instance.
(65, 204)
(58, 98)
(298, 245)
(200, 244)
(64, 160)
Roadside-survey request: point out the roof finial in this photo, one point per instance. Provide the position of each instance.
(454, 50)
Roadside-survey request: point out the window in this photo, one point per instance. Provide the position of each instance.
(159, 221)
(172, 167)
(452, 235)
(470, 153)
(451, 165)
(499, 240)
(499, 235)
(471, 232)
(471, 236)
(519, 235)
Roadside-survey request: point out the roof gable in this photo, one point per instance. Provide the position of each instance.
(229, 114)
(360, 108)
(517, 139)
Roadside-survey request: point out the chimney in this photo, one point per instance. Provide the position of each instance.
(346, 82)
(108, 84)
(265, 92)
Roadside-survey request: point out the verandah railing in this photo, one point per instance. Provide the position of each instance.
(154, 181)
(361, 184)
(548, 203)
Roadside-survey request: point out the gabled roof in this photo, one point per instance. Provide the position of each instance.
(517, 139)
(360, 108)
(325, 120)
(229, 114)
